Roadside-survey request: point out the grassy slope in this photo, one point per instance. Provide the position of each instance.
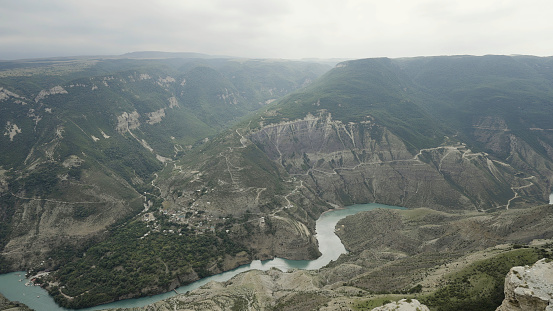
(445, 256)
(480, 286)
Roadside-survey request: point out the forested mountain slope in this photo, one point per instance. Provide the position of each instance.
(82, 138)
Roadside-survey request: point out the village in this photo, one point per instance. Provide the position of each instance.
(159, 215)
(196, 221)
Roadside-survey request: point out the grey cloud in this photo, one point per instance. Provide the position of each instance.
(285, 28)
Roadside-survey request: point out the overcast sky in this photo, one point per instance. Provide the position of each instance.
(276, 28)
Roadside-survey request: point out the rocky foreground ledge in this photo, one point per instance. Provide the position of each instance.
(529, 288)
(403, 305)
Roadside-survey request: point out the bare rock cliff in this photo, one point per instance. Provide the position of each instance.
(529, 288)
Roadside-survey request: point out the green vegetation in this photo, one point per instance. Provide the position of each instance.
(42, 180)
(464, 89)
(240, 304)
(138, 260)
(480, 285)
(361, 88)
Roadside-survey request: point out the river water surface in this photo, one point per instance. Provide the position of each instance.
(12, 285)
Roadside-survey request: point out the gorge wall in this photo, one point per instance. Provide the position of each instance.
(366, 162)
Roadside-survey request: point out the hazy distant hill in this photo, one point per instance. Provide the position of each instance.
(160, 54)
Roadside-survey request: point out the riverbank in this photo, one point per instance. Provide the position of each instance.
(330, 245)
(6, 304)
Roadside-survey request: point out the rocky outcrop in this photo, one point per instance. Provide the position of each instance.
(403, 305)
(5, 94)
(53, 91)
(253, 290)
(529, 288)
(11, 130)
(156, 116)
(127, 121)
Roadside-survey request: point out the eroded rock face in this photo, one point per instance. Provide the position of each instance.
(53, 91)
(127, 121)
(529, 288)
(365, 162)
(403, 305)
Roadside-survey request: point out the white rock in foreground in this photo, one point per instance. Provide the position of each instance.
(403, 305)
(529, 288)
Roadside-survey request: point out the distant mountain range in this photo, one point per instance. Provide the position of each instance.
(159, 54)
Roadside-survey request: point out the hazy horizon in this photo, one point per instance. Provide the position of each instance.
(201, 55)
(288, 29)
